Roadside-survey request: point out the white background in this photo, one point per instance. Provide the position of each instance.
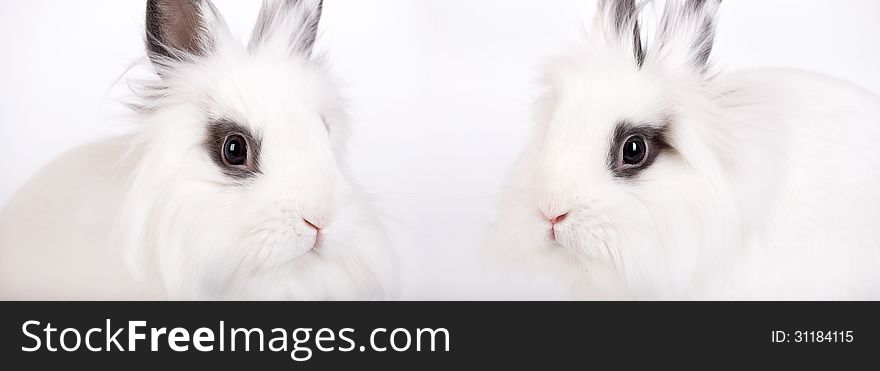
(440, 95)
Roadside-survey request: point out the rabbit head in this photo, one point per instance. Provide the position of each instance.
(619, 192)
(238, 188)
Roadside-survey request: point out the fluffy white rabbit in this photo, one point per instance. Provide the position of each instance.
(234, 187)
(651, 177)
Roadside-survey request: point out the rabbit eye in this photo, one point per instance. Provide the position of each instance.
(635, 151)
(235, 150)
(634, 148)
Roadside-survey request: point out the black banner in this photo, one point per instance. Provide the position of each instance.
(437, 335)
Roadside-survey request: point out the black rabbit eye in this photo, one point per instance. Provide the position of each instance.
(635, 150)
(235, 150)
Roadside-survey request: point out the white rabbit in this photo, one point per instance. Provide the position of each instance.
(233, 188)
(651, 177)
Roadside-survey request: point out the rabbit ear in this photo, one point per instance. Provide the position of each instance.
(290, 22)
(620, 20)
(687, 33)
(180, 29)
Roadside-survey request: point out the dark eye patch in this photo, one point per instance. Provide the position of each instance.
(634, 148)
(233, 148)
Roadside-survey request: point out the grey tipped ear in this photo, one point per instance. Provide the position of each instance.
(294, 22)
(687, 33)
(622, 17)
(309, 12)
(178, 29)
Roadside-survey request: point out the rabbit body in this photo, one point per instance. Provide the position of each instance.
(56, 233)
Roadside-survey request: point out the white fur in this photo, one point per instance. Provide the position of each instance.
(772, 190)
(166, 222)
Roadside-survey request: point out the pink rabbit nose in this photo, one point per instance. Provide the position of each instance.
(554, 221)
(318, 240)
(558, 219)
(313, 225)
